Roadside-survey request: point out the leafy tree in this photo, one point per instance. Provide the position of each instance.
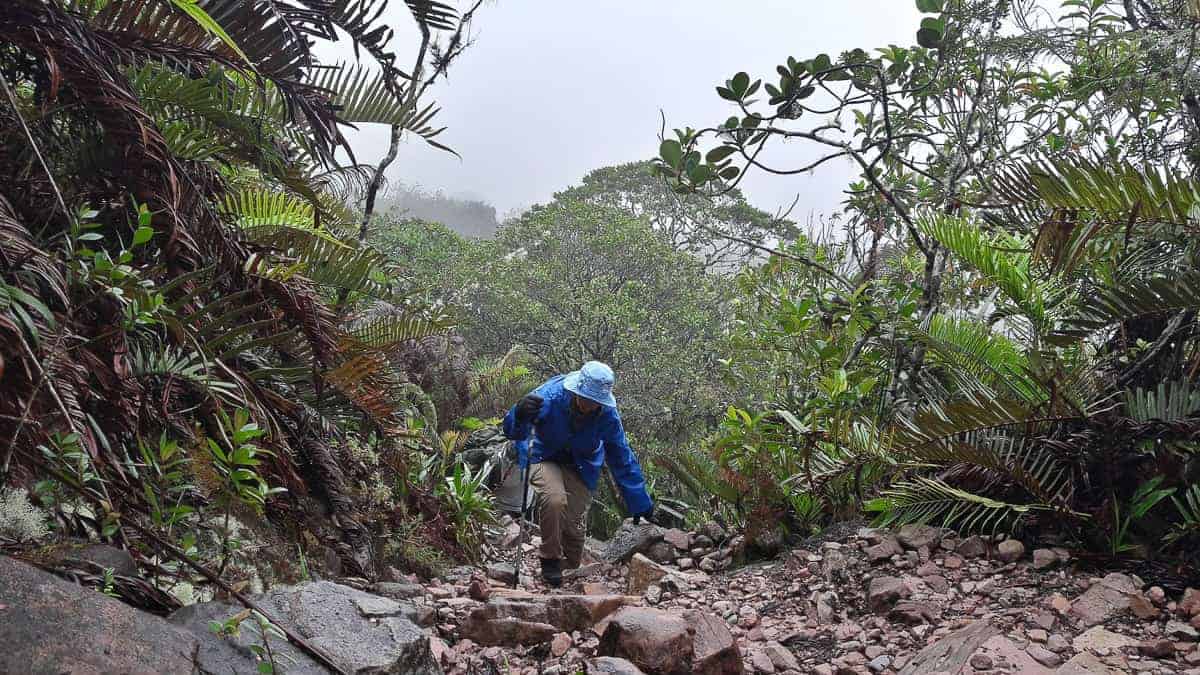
(574, 281)
(723, 230)
(962, 352)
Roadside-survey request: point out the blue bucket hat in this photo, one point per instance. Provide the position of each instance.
(593, 381)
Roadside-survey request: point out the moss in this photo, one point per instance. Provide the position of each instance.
(19, 519)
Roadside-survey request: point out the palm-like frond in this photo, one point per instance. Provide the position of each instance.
(980, 359)
(927, 500)
(1135, 298)
(1113, 191)
(937, 423)
(1001, 258)
(363, 97)
(1168, 402)
(387, 331)
(432, 13)
(261, 210)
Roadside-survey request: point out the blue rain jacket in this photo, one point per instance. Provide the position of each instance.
(601, 440)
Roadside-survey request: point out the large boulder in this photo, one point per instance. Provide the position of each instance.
(50, 625)
(658, 642)
(630, 539)
(714, 651)
(361, 632)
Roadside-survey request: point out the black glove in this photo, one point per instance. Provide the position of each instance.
(648, 514)
(528, 408)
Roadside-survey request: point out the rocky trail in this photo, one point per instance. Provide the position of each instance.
(919, 601)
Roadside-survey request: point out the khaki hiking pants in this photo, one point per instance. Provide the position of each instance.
(563, 501)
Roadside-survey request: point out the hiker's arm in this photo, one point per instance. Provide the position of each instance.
(518, 426)
(625, 468)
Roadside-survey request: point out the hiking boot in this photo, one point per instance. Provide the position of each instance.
(552, 572)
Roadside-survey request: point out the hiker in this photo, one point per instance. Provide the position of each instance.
(577, 429)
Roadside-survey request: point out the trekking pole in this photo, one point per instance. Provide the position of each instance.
(521, 522)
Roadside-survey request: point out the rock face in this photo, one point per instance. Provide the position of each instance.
(363, 633)
(658, 642)
(49, 625)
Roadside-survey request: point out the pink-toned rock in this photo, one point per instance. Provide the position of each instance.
(1060, 603)
(883, 592)
(1189, 606)
(714, 651)
(1104, 600)
(971, 547)
(1142, 608)
(656, 641)
(607, 665)
(643, 572)
(678, 538)
(1010, 550)
(560, 644)
(506, 632)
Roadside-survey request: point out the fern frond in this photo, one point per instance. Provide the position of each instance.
(362, 97)
(938, 423)
(1113, 191)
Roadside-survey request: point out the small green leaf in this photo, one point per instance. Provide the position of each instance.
(929, 6)
(718, 154)
(929, 39)
(740, 83)
(142, 235)
(729, 172)
(671, 152)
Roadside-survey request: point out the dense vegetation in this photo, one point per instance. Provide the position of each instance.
(1003, 335)
(194, 335)
(225, 346)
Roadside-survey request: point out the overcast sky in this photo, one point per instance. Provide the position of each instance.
(554, 88)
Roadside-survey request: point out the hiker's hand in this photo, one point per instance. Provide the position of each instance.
(529, 407)
(647, 514)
